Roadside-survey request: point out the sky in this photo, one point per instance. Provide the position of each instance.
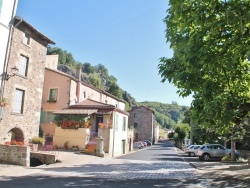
(126, 36)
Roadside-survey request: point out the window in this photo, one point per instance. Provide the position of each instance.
(84, 94)
(53, 95)
(1, 3)
(134, 115)
(23, 65)
(135, 125)
(47, 117)
(18, 101)
(116, 122)
(124, 124)
(26, 39)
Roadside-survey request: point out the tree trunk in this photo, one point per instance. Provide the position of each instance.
(225, 143)
(233, 158)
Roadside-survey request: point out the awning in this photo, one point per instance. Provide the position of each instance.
(76, 111)
(104, 112)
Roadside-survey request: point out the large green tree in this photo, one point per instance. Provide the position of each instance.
(210, 42)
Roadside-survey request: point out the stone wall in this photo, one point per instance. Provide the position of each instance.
(32, 85)
(17, 155)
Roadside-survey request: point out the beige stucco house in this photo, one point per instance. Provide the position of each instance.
(83, 110)
(22, 83)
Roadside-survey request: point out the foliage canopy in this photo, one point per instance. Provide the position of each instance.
(210, 41)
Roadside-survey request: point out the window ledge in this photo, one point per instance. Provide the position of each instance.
(28, 45)
(16, 113)
(51, 101)
(22, 76)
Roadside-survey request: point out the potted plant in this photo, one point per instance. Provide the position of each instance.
(3, 102)
(75, 147)
(36, 141)
(101, 125)
(66, 144)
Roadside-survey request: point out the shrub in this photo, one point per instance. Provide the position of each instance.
(37, 140)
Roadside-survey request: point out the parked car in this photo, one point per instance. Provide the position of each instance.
(192, 150)
(144, 143)
(138, 145)
(148, 142)
(208, 151)
(187, 148)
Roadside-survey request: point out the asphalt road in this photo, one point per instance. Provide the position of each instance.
(158, 152)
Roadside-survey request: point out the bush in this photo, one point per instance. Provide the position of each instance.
(226, 158)
(37, 140)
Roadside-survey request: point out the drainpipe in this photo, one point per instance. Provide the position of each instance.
(7, 53)
(114, 120)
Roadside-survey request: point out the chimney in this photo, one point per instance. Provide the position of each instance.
(78, 77)
(78, 72)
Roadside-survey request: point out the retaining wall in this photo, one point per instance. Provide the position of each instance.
(17, 155)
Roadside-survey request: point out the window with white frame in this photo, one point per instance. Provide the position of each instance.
(124, 124)
(19, 101)
(53, 95)
(23, 65)
(116, 122)
(26, 39)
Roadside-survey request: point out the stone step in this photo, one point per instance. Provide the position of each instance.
(90, 149)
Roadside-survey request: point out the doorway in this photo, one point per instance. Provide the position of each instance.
(99, 119)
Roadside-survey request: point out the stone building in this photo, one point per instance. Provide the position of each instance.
(142, 119)
(23, 83)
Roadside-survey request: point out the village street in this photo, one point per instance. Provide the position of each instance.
(160, 165)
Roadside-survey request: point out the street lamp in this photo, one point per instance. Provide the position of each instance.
(14, 71)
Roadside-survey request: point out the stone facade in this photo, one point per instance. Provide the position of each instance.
(143, 121)
(24, 125)
(18, 155)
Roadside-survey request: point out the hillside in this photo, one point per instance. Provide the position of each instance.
(167, 115)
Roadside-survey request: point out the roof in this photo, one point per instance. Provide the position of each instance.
(91, 104)
(76, 111)
(88, 107)
(141, 107)
(18, 19)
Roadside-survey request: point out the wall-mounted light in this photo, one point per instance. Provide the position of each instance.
(14, 71)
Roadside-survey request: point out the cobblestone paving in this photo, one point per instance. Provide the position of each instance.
(126, 169)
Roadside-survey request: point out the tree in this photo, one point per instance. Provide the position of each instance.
(102, 69)
(88, 68)
(210, 41)
(95, 80)
(181, 132)
(115, 90)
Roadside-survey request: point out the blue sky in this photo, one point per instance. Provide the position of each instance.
(126, 36)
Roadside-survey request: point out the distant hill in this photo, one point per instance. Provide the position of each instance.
(167, 115)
